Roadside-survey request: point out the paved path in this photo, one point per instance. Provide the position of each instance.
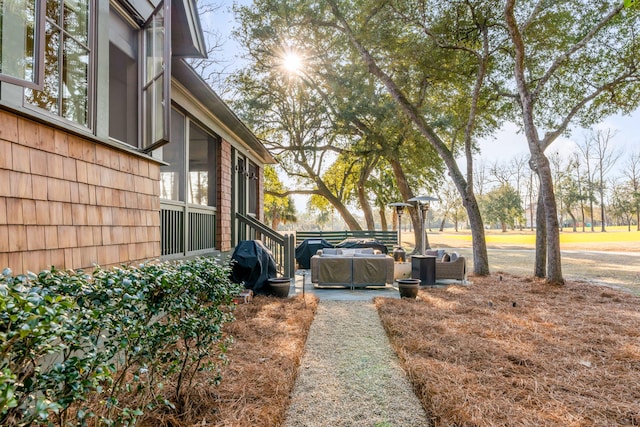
(349, 375)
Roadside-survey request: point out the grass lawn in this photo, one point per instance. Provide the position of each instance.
(615, 238)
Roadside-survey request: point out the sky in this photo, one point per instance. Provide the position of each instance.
(507, 143)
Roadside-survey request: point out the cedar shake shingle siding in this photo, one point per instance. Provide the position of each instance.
(72, 203)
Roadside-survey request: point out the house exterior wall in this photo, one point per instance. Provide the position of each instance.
(69, 202)
(223, 227)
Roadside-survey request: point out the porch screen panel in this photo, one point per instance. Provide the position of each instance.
(172, 175)
(253, 188)
(123, 80)
(202, 167)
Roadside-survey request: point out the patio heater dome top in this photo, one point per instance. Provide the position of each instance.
(423, 199)
(399, 206)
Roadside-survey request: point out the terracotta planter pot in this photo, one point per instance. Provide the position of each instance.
(279, 286)
(408, 287)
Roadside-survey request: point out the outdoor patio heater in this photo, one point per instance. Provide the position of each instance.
(423, 267)
(399, 254)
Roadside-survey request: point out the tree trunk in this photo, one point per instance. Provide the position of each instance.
(602, 215)
(442, 224)
(573, 218)
(539, 269)
(480, 257)
(536, 149)
(366, 207)
(383, 219)
(554, 257)
(344, 212)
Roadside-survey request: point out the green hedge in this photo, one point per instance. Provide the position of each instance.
(68, 338)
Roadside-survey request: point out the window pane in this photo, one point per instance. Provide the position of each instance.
(17, 39)
(159, 111)
(76, 19)
(53, 10)
(155, 46)
(47, 99)
(66, 58)
(75, 82)
(157, 78)
(149, 126)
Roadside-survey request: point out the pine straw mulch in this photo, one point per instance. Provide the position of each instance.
(515, 351)
(269, 337)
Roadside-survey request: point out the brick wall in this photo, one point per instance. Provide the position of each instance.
(223, 217)
(69, 202)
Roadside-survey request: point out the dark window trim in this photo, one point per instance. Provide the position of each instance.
(38, 72)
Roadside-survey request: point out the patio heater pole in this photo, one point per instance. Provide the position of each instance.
(422, 203)
(423, 209)
(399, 254)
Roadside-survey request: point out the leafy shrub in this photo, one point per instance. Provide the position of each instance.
(67, 337)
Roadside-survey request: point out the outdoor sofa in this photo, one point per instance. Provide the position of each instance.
(351, 268)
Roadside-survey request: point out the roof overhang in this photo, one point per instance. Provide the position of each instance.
(207, 97)
(187, 38)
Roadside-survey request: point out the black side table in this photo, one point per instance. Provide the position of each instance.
(423, 267)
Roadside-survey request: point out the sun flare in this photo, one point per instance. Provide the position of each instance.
(292, 62)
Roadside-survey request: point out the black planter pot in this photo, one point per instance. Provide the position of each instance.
(279, 286)
(408, 287)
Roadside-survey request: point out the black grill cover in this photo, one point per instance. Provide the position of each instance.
(307, 249)
(253, 264)
(363, 243)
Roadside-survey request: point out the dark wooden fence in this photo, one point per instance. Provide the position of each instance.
(388, 238)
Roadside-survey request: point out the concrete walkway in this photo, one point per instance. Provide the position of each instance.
(349, 375)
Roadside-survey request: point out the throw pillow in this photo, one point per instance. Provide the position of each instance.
(453, 256)
(364, 251)
(446, 257)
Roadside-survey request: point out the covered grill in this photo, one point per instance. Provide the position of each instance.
(307, 249)
(253, 264)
